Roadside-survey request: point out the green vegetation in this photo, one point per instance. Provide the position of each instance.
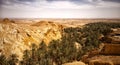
(64, 50)
(12, 60)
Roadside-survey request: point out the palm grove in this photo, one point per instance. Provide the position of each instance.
(63, 50)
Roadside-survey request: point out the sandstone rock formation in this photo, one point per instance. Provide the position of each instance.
(75, 63)
(15, 38)
(107, 53)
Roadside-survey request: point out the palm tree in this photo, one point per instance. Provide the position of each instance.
(34, 54)
(26, 56)
(34, 48)
(43, 46)
(3, 60)
(13, 59)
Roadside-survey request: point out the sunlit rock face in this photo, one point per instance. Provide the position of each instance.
(15, 38)
(75, 63)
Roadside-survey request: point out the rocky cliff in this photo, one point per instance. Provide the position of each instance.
(15, 38)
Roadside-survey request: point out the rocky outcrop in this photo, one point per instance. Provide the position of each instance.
(99, 62)
(104, 60)
(108, 55)
(110, 49)
(113, 37)
(108, 52)
(75, 63)
(15, 38)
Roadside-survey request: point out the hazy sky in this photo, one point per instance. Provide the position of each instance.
(60, 8)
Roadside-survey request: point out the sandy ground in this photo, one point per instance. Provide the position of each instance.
(75, 63)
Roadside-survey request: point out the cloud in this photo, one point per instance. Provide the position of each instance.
(0, 2)
(60, 8)
(57, 3)
(118, 1)
(109, 4)
(26, 0)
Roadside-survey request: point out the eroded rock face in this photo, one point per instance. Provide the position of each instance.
(110, 49)
(104, 60)
(15, 38)
(99, 62)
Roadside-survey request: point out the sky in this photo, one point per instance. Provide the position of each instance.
(60, 8)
